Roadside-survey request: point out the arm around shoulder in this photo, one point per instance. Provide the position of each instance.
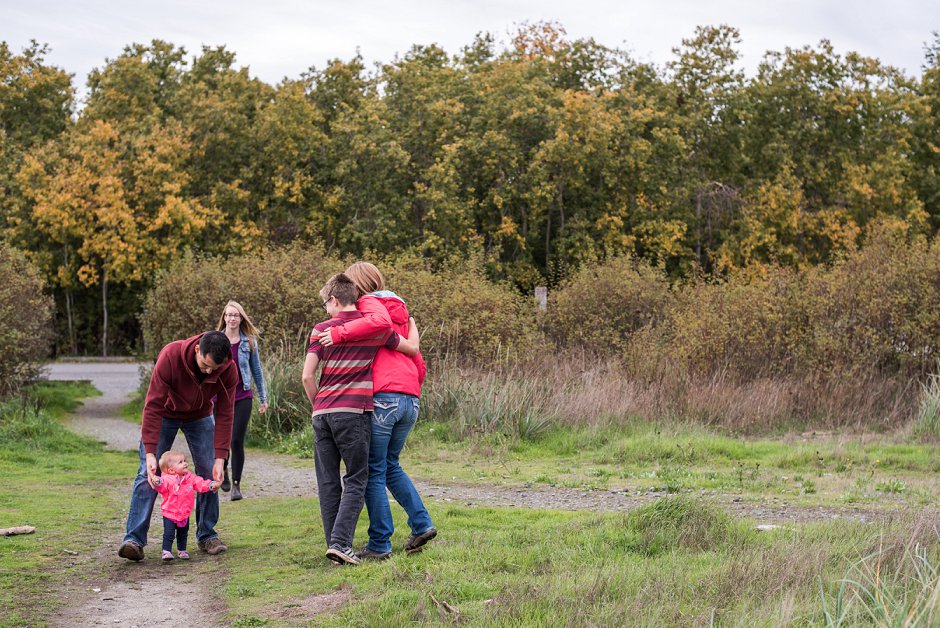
(410, 345)
(375, 322)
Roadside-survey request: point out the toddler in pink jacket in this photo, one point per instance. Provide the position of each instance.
(178, 488)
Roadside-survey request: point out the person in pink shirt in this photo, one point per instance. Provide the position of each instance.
(178, 488)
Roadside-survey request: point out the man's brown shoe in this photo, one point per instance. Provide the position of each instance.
(213, 546)
(416, 542)
(370, 554)
(131, 551)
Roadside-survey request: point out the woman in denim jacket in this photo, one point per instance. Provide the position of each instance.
(243, 336)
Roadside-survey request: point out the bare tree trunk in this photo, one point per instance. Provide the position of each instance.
(68, 314)
(548, 236)
(73, 344)
(698, 224)
(104, 308)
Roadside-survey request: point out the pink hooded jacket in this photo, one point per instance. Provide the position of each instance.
(179, 494)
(391, 371)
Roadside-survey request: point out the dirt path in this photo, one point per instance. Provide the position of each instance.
(120, 593)
(113, 591)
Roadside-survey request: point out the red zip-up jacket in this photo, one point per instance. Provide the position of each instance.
(392, 371)
(176, 394)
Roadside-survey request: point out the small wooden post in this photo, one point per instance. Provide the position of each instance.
(541, 296)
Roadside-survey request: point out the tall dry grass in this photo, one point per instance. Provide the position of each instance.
(572, 389)
(896, 583)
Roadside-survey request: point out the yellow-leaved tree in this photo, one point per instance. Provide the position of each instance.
(117, 202)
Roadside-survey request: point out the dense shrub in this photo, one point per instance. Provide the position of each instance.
(746, 325)
(599, 308)
(26, 320)
(873, 311)
(845, 345)
(278, 288)
(877, 308)
(460, 313)
(457, 308)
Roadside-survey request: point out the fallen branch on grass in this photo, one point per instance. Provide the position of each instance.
(17, 530)
(447, 607)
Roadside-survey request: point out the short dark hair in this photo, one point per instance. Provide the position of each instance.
(215, 344)
(341, 287)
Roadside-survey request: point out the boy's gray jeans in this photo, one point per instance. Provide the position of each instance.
(341, 436)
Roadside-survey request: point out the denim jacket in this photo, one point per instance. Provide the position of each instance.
(249, 365)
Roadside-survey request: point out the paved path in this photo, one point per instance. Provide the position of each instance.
(100, 417)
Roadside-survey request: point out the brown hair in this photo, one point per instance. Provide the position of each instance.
(341, 287)
(167, 458)
(366, 276)
(246, 326)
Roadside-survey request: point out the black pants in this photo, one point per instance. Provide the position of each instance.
(171, 531)
(341, 436)
(239, 429)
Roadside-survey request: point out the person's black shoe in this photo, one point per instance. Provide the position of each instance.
(131, 551)
(226, 485)
(236, 492)
(342, 555)
(416, 542)
(369, 554)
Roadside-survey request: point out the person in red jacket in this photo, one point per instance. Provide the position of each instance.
(178, 487)
(396, 385)
(188, 375)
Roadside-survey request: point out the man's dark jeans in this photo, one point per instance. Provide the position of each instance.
(342, 436)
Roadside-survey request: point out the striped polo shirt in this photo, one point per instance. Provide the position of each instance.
(346, 376)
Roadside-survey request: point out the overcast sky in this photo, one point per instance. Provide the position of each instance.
(283, 38)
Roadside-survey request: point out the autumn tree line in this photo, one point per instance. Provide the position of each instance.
(541, 157)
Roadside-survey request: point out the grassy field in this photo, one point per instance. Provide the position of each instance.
(870, 471)
(678, 560)
(58, 483)
(811, 469)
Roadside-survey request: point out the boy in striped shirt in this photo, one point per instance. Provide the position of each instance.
(342, 410)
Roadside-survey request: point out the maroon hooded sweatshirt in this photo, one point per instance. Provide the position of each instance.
(176, 394)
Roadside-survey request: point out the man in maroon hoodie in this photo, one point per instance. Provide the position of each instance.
(192, 388)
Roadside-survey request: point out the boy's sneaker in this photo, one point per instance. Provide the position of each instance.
(370, 554)
(342, 555)
(131, 551)
(213, 546)
(416, 541)
(183, 554)
(167, 555)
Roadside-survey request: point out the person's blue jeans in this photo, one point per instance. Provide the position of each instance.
(200, 436)
(392, 419)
